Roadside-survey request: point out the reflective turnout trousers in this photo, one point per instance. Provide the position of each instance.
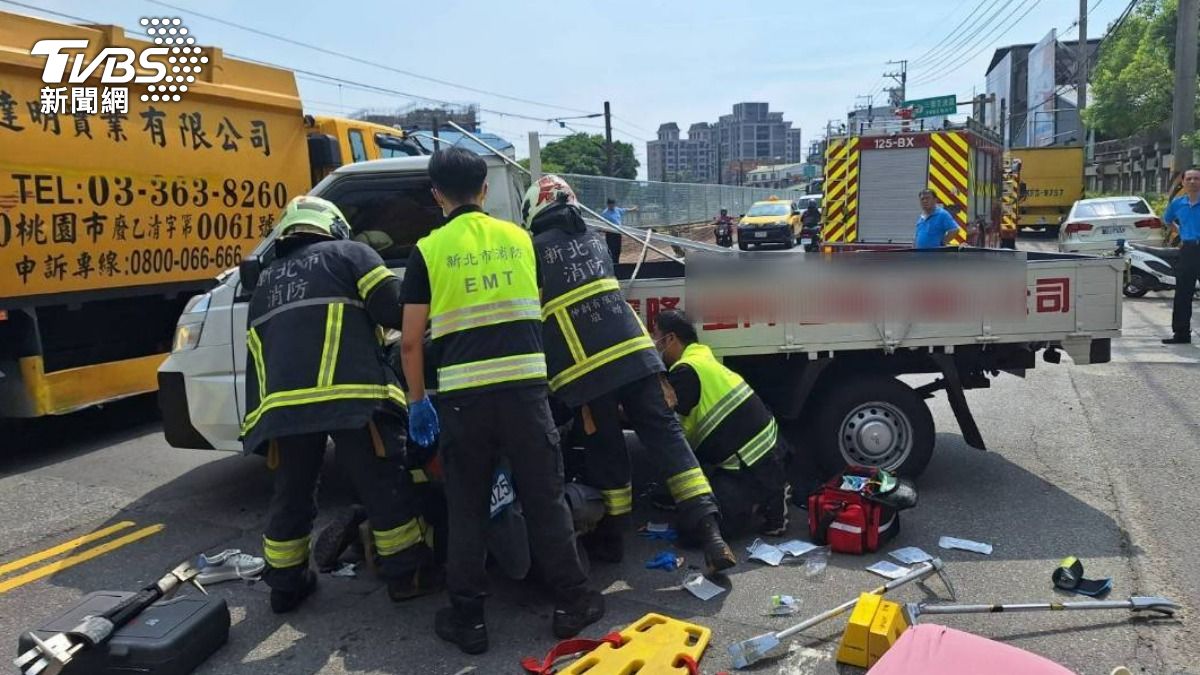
(383, 485)
(658, 429)
(752, 498)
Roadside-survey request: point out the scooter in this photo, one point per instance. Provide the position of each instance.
(1151, 268)
(725, 235)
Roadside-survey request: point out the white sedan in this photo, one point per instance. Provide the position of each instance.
(1096, 225)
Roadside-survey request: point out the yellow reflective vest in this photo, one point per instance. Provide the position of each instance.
(485, 313)
(730, 426)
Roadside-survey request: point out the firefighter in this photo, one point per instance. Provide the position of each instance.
(734, 433)
(601, 360)
(473, 279)
(316, 369)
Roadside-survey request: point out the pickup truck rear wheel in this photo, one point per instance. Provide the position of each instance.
(873, 421)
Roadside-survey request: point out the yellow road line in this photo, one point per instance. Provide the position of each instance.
(64, 547)
(71, 561)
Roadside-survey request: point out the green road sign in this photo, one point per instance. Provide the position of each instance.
(938, 106)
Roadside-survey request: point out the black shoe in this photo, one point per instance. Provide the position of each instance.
(717, 554)
(571, 618)
(607, 542)
(333, 539)
(283, 601)
(465, 628)
(663, 501)
(1178, 340)
(425, 580)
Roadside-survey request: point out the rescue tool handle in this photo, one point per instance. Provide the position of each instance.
(1135, 604)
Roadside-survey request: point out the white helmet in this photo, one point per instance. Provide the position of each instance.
(548, 191)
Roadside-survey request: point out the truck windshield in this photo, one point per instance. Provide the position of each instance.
(767, 210)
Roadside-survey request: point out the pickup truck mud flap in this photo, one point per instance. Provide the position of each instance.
(958, 400)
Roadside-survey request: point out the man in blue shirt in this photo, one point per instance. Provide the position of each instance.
(935, 226)
(1184, 213)
(614, 214)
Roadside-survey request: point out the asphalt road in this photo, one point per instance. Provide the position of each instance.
(1093, 461)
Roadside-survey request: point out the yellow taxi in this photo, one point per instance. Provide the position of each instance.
(774, 221)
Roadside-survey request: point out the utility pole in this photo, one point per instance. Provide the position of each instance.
(608, 147)
(901, 79)
(1183, 113)
(1082, 67)
(535, 156)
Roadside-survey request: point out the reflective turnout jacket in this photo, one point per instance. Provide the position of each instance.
(484, 309)
(315, 359)
(595, 343)
(730, 426)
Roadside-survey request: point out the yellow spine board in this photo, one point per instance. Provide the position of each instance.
(948, 171)
(650, 646)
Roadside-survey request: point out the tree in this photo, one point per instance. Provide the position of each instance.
(547, 167)
(584, 154)
(1132, 83)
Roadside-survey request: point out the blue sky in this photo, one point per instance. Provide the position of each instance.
(655, 61)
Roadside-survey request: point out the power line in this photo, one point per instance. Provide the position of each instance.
(323, 78)
(956, 38)
(953, 31)
(363, 61)
(642, 129)
(968, 59)
(955, 51)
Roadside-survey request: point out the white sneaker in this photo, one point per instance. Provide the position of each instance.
(228, 565)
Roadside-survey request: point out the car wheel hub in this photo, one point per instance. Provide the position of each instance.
(876, 434)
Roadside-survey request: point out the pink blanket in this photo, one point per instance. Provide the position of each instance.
(929, 649)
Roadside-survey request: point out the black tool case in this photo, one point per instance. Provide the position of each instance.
(171, 637)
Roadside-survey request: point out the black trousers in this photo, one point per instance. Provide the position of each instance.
(657, 427)
(476, 430)
(1185, 284)
(382, 483)
(750, 495)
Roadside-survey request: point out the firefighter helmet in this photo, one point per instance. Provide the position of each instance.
(548, 191)
(312, 215)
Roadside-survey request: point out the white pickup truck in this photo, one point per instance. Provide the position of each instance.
(833, 387)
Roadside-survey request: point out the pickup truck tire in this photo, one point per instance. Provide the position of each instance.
(872, 421)
(744, 246)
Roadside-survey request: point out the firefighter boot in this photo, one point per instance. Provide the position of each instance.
(581, 611)
(607, 542)
(335, 538)
(290, 595)
(462, 623)
(425, 579)
(717, 554)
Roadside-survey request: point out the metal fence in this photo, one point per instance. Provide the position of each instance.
(667, 204)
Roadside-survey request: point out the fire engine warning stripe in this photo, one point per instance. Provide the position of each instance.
(78, 558)
(951, 190)
(945, 164)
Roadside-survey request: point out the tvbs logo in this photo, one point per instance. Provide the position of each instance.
(165, 69)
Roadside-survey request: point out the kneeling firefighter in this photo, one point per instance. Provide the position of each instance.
(734, 433)
(316, 368)
(600, 360)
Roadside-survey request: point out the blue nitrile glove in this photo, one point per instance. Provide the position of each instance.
(663, 561)
(422, 422)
